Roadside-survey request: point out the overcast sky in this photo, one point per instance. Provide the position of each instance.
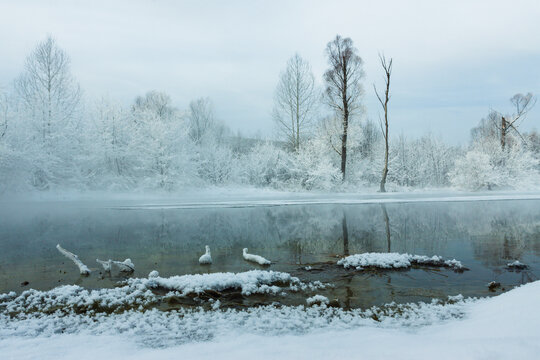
(453, 60)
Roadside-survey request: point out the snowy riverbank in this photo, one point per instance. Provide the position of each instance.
(502, 327)
(250, 197)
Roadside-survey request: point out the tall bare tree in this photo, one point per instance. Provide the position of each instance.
(47, 88)
(343, 86)
(387, 67)
(295, 100)
(499, 126)
(522, 104)
(201, 119)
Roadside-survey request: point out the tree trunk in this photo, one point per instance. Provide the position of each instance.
(388, 72)
(385, 170)
(503, 133)
(344, 98)
(344, 145)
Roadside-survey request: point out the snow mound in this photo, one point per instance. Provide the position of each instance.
(75, 298)
(140, 292)
(396, 261)
(249, 282)
(317, 300)
(516, 265)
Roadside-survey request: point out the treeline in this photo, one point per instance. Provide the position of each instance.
(53, 138)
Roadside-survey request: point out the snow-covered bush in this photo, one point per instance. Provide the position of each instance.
(215, 164)
(423, 162)
(313, 168)
(161, 142)
(488, 166)
(266, 165)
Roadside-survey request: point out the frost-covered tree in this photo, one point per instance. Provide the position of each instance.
(13, 165)
(49, 93)
(111, 159)
(213, 157)
(497, 142)
(48, 126)
(201, 119)
(5, 113)
(161, 141)
(295, 101)
(266, 165)
(343, 87)
(488, 166)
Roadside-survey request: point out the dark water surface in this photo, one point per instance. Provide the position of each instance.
(483, 235)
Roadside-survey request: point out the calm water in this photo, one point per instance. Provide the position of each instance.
(484, 236)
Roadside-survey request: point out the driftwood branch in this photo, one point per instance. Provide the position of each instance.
(124, 266)
(84, 270)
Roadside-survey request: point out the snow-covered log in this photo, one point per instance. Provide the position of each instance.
(255, 258)
(82, 268)
(125, 266)
(106, 264)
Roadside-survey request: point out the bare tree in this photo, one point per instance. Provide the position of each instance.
(387, 67)
(201, 119)
(47, 87)
(343, 86)
(295, 100)
(522, 105)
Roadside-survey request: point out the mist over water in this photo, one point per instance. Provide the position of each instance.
(484, 236)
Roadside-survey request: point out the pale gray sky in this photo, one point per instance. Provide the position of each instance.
(453, 60)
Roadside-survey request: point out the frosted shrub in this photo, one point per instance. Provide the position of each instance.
(488, 166)
(473, 172)
(215, 164)
(266, 165)
(313, 168)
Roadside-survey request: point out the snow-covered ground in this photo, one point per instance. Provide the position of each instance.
(503, 327)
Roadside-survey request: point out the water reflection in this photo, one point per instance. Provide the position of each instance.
(387, 227)
(345, 231)
(483, 235)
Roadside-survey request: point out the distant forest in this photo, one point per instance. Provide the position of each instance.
(52, 137)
